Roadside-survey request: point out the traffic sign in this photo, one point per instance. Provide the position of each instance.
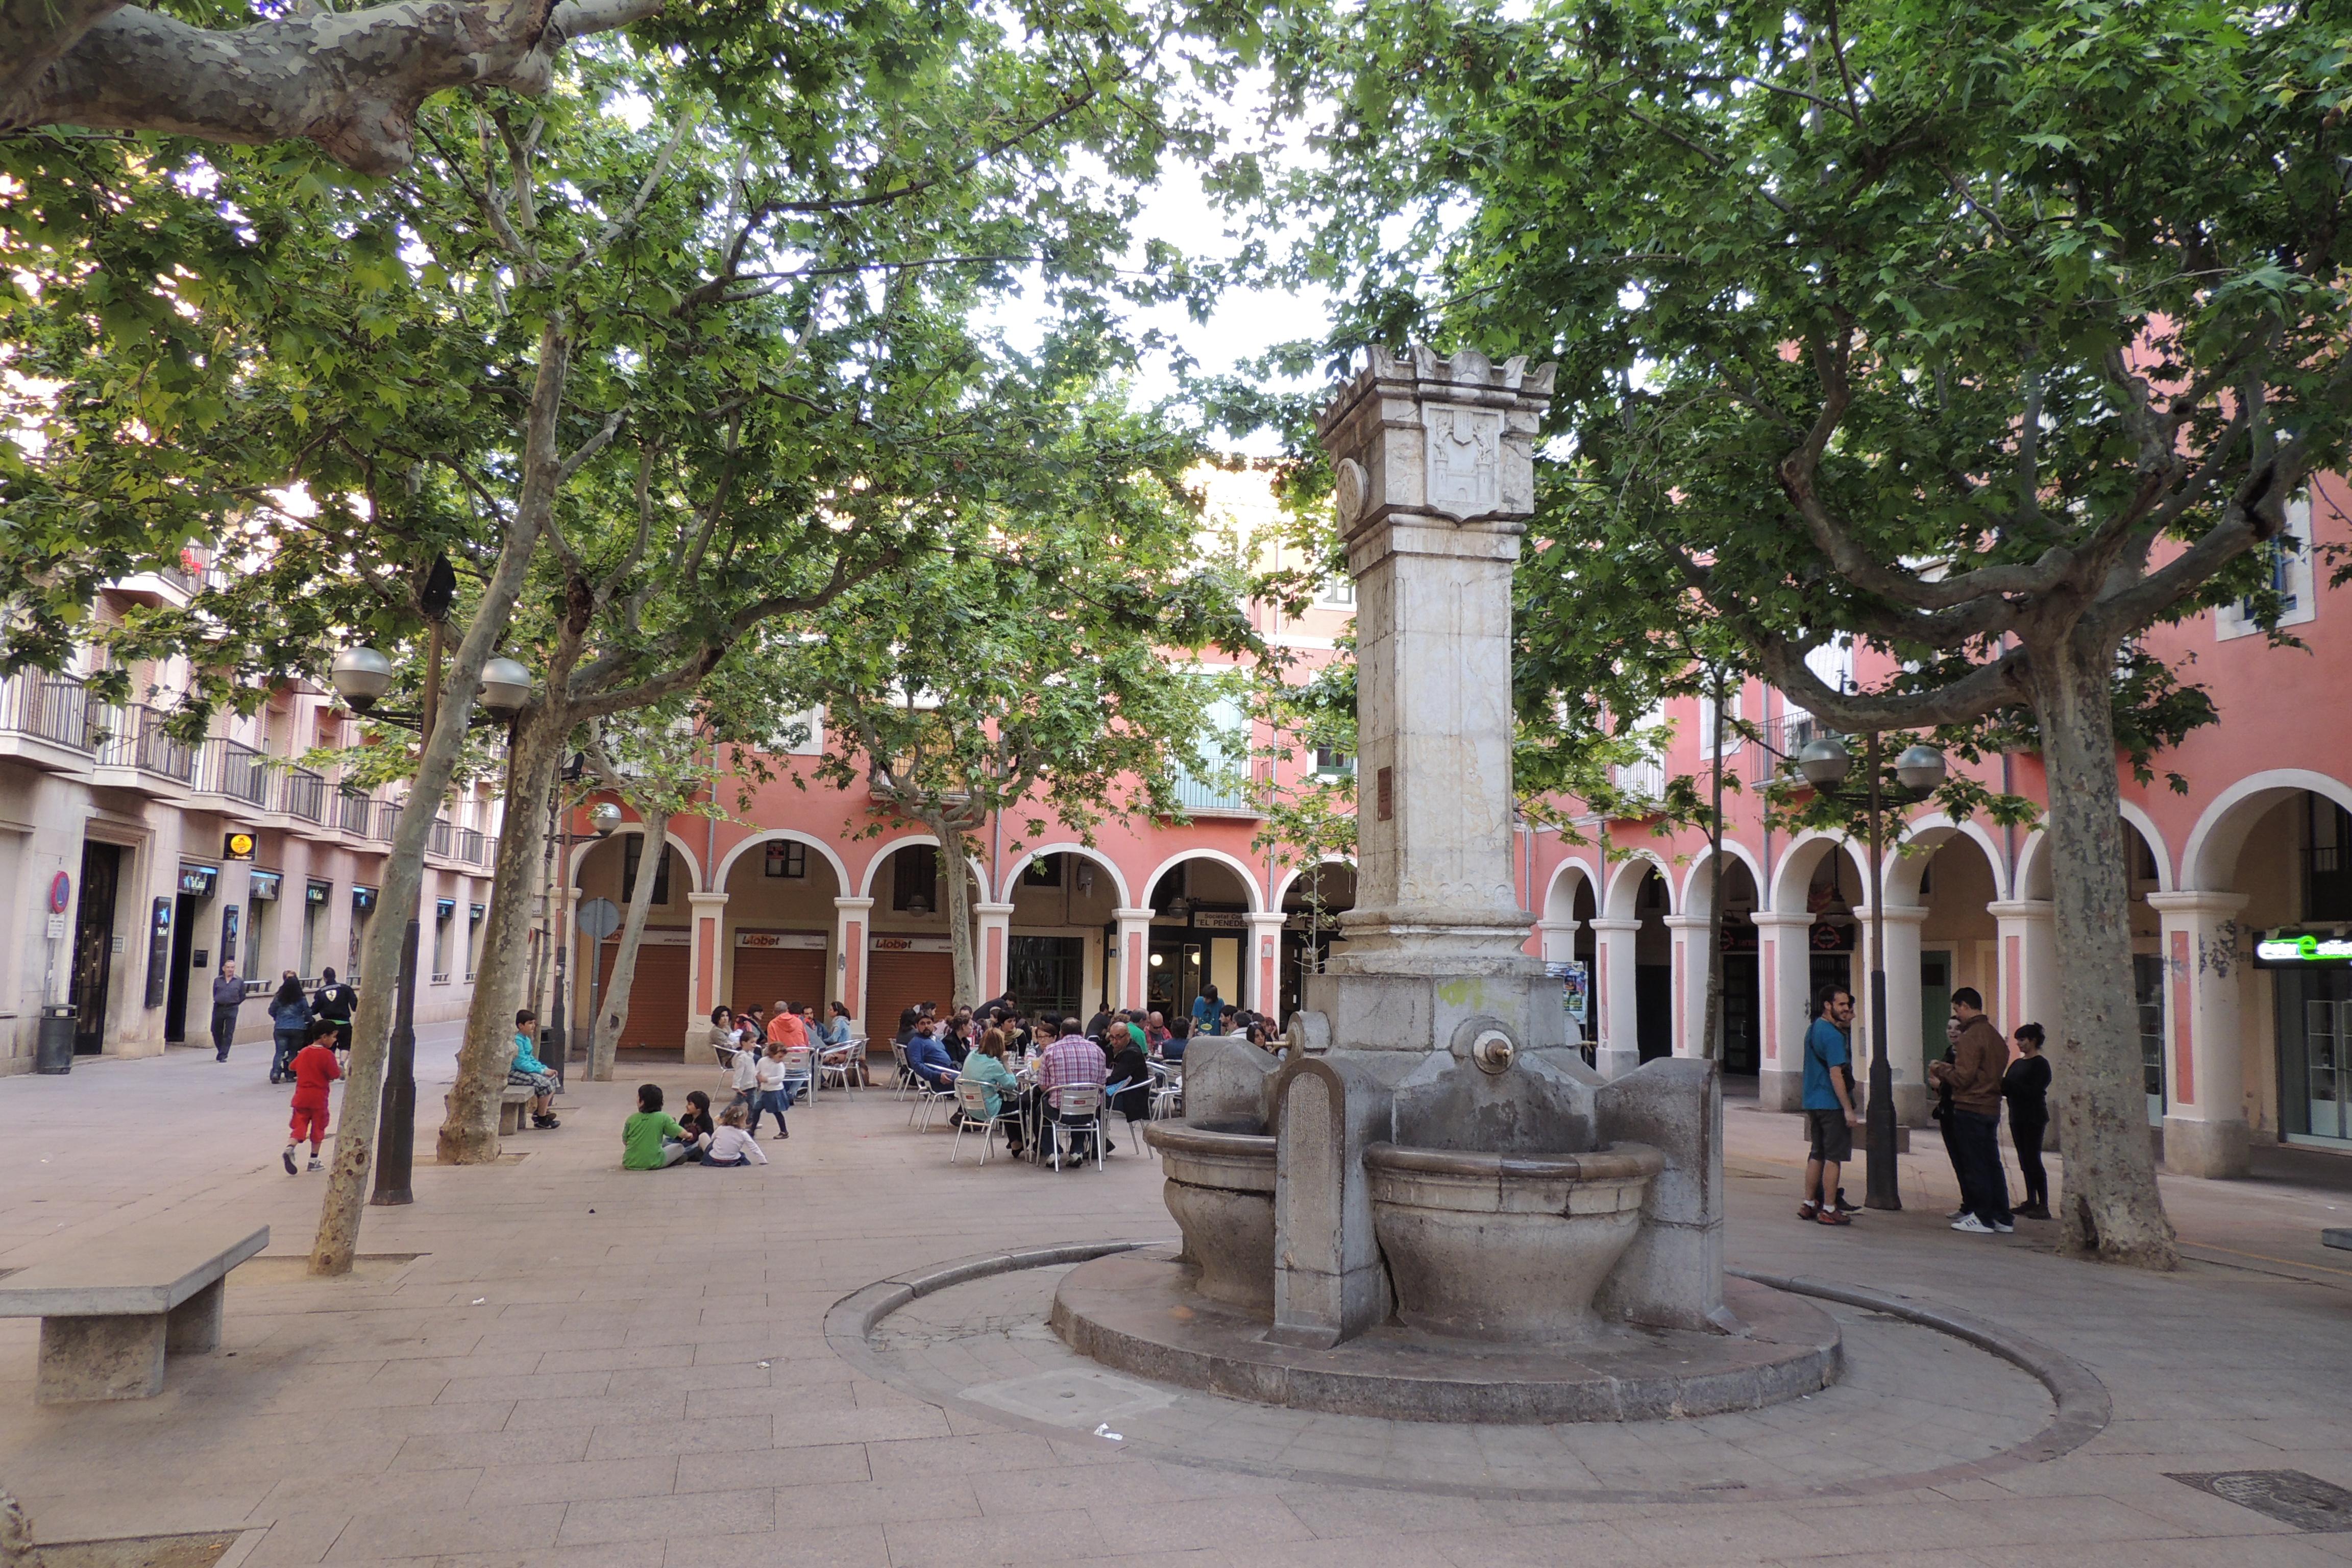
(599, 918)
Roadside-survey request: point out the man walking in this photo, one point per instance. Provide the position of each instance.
(335, 1003)
(1973, 1075)
(1829, 1117)
(228, 995)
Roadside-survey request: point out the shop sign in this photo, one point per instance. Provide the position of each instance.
(1219, 919)
(264, 885)
(2301, 949)
(666, 936)
(196, 882)
(799, 940)
(911, 944)
(362, 900)
(318, 892)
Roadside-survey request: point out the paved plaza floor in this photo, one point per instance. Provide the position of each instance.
(551, 1361)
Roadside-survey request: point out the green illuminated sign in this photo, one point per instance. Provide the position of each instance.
(2283, 950)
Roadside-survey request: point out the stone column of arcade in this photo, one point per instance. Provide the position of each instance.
(1431, 1174)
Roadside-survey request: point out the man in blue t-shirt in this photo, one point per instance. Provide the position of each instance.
(1829, 1117)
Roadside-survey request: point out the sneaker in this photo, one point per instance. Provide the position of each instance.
(2033, 1211)
(1972, 1226)
(2003, 1228)
(316, 1166)
(1956, 1214)
(289, 1158)
(1846, 1208)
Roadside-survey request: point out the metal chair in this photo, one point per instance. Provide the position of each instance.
(1080, 1111)
(1167, 1089)
(800, 1072)
(842, 1062)
(927, 1102)
(902, 1076)
(971, 1099)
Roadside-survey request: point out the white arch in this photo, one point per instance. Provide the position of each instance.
(1625, 884)
(1901, 873)
(1805, 852)
(882, 853)
(1552, 889)
(2210, 863)
(1693, 899)
(1282, 889)
(1118, 877)
(771, 835)
(2032, 878)
(1239, 869)
(580, 853)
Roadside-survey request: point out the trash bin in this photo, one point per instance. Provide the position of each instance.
(56, 1046)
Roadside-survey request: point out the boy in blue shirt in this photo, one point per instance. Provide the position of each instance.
(1829, 1117)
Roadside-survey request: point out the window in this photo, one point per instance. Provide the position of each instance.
(1330, 760)
(445, 915)
(1337, 591)
(1707, 725)
(1046, 871)
(787, 859)
(474, 939)
(631, 853)
(915, 879)
(802, 735)
(314, 924)
(2289, 560)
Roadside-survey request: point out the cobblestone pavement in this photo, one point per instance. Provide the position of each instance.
(555, 1362)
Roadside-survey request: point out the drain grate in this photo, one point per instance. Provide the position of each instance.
(2290, 1497)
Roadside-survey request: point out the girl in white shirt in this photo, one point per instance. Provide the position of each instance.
(746, 1077)
(730, 1145)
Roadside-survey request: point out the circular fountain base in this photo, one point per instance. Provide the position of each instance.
(1138, 1311)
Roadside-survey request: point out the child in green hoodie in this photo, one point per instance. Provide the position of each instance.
(650, 1140)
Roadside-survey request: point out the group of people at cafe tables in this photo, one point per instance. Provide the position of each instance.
(1026, 1063)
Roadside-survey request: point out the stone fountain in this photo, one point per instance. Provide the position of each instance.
(1430, 1206)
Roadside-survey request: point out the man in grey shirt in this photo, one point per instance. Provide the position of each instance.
(228, 995)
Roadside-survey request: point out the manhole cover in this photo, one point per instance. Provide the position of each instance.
(2288, 1496)
(1072, 1397)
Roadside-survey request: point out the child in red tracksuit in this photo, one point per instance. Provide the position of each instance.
(314, 1068)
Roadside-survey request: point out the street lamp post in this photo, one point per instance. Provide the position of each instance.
(1920, 770)
(361, 676)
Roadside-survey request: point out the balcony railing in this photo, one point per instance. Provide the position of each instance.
(470, 846)
(133, 737)
(53, 708)
(353, 812)
(232, 769)
(438, 841)
(1195, 793)
(387, 819)
(1643, 780)
(1797, 729)
(303, 794)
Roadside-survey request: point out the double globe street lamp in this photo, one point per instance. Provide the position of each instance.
(1919, 773)
(361, 676)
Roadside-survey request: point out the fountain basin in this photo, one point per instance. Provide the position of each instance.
(1505, 1246)
(1221, 1191)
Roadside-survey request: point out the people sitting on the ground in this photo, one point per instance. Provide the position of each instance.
(836, 1026)
(985, 1067)
(1128, 1086)
(773, 1092)
(527, 1071)
(698, 1122)
(1179, 1034)
(1070, 1062)
(731, 1145)
(649, 1139)
(928, 1058)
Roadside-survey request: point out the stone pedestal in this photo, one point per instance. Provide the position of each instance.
(93, 1358)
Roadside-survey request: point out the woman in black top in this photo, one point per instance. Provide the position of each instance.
(2026, 1086)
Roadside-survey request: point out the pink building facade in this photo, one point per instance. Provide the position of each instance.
(816, 897)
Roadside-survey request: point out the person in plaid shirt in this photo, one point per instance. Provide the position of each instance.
(1070, 1061)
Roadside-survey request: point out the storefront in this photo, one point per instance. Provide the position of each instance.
(2311, 974)
(1190, 953)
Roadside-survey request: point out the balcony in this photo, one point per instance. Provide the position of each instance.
(134, 752)
(1197, 795)
(1642, 782)
(353, 812)
(44, 720)
(1797, 728)
(470, 846)
(438, 841)
(302, 794)
(234, 772)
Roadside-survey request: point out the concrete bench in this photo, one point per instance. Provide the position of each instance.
(2339, 1239)
(512, 1104)
(115, 1306)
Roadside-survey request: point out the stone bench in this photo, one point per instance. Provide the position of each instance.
(514, 1100)
(116, 1305)
(2339, 1239)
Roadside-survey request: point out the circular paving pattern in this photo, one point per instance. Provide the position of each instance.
(1914, 1405)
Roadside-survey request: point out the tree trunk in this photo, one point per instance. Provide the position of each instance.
(17, 1548)
(2108, 1200)
(955, 891)
(469, 1131)
(606, 1043)
(404, 866)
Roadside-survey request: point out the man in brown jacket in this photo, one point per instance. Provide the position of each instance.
(1973, 1075)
